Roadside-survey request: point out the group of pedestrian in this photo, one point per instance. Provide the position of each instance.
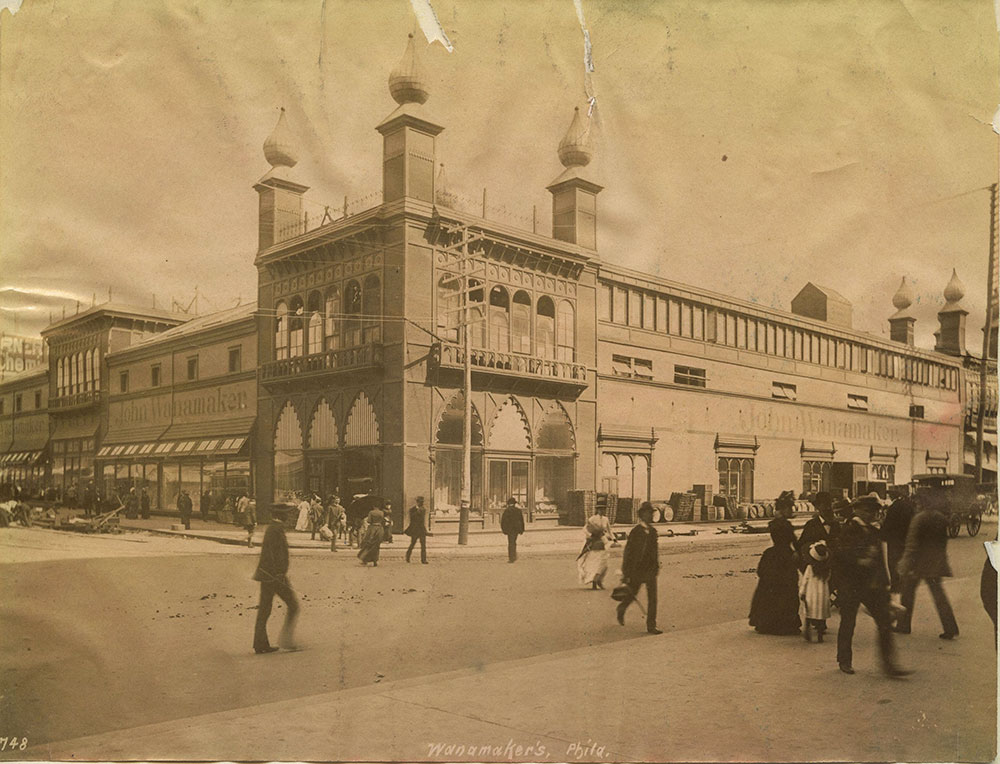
(846, 555)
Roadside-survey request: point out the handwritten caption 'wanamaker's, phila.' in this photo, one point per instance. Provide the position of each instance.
(511, 751)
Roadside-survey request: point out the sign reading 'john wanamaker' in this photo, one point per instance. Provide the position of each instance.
(219, 402)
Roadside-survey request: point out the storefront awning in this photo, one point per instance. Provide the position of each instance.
(207, 447)
(20, 458)
(883, 454)
(74, 428)
(818, 449)
(736, 445)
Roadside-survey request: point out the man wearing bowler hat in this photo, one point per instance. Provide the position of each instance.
(641, 565)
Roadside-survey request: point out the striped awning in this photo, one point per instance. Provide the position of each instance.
(20, 457)
(208, 447)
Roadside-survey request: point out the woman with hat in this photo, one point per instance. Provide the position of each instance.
(371, 536)
(592, 562)
(774, 608)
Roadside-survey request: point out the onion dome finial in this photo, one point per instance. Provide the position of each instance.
(278, 148)
(574, 148)
(903, 297)
(408, 81)
(955, 290)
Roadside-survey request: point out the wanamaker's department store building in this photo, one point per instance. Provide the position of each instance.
(585, 374)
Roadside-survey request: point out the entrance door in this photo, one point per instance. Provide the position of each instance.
(507, 478)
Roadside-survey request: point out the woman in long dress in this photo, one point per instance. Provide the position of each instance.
(302, 523)
(775, 605)
(371, 537)
(592, 564)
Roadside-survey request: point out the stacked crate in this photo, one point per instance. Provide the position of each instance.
(684, 507)
(582, 504)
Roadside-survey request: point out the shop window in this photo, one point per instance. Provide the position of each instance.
(736, 478)
(17, 402)
(688, 375)
(521, 323)
(192, 368)
(566, 332)
(857, 402)
(816, 476)
(499, 337)
(123, 382)
(281, 331)
(38, 399)
(372, 299)
(783, 391)
(154, 375)
(332, 308)
(545, 322)
(235, 360)
(916, 412)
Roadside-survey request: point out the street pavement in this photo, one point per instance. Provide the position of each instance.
(467, 659)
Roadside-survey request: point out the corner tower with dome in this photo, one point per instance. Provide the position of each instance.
(360, 381)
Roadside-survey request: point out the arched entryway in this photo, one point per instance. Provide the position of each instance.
(555, 461)
(289, 462)
(361, 464)
(508, 460)
(323, 454)
(448, 460)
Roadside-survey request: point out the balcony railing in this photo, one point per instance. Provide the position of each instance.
(327, 362)
(515, 364)
(75, 400)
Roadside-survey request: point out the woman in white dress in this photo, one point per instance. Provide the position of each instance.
(592, 564)
(302, 523)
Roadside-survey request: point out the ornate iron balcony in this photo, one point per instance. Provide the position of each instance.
(514, 365)
(75, 400)
(326, 362)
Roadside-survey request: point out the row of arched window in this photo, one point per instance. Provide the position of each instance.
(509, 323)
(78, 373)
(329, 321)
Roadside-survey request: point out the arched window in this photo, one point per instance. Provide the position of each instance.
(477, 314)
(280, 331)
(95, 369)
(566, 332)
(449, 307)
(372, 302)
(545, 329)
(352, 309)
(296, 329)
(61, 377)
(521, 323)
(88, 380)
(315, 328)
(499, 320)
(333, 309)
(78, 363)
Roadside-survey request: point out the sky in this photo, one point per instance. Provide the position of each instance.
(744, 147)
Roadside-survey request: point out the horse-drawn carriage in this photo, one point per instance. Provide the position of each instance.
(959, 497)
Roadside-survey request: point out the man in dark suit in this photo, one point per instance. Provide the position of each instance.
(863, 580)
(144, 504)
(894, 530)
(641, 565)
(184, 507)
(272, 572)
(925, 556)
(512, 525)
(417, 530)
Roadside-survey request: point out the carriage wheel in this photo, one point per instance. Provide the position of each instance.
(973, 524)
(954, 526)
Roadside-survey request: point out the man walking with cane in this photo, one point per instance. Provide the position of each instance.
(641, 565)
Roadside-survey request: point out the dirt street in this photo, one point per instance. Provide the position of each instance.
(90, 645)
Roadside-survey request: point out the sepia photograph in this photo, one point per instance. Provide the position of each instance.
(499, 380)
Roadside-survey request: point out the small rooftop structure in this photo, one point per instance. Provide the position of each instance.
(822, 304)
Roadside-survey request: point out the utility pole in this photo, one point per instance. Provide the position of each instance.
(465, 497)
(991, 287)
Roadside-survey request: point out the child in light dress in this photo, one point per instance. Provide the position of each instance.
(814, 590)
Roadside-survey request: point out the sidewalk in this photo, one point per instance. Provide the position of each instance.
(713, 693)
(556, 539)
